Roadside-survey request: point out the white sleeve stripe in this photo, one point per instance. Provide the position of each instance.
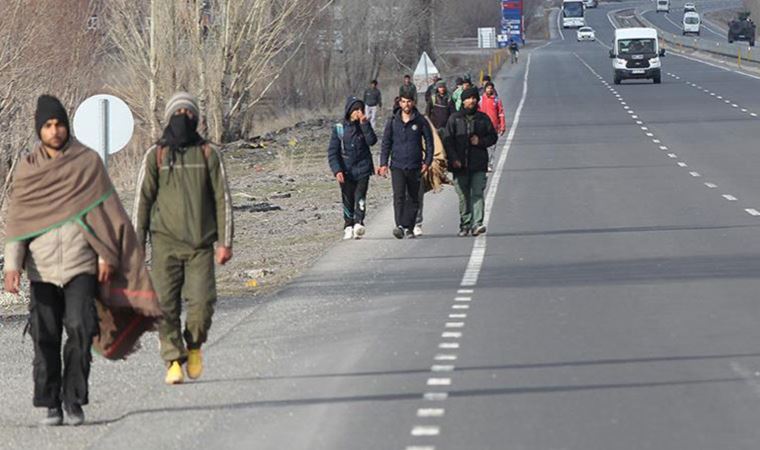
(138, 188)
(227, 201)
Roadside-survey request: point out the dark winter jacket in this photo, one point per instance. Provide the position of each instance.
(440, 109)
(411, 89)
(351, 154)
(373, 97)
(403, 142)
(460, 128)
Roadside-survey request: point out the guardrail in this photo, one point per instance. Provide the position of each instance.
(741, 52)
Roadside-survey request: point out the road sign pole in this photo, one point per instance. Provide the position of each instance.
(104, 131)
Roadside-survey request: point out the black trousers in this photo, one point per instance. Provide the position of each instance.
(52, 309)
(354, 194)
(406, 196)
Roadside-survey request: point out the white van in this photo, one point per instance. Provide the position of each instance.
(691, 23)
(663, 5)
(636, 53)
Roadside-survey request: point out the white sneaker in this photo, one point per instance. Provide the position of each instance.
(417, 230)
(359, 231)
(348, 233)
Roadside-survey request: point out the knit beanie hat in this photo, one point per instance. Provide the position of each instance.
(471, 92)
(440, 83)
(178, 101)
(49, 107)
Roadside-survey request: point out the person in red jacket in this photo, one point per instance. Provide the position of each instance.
(491, 105)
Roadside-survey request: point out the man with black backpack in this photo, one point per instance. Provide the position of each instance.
(351, 163)
(402, 149)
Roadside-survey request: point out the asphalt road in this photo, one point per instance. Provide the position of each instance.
(612, 305)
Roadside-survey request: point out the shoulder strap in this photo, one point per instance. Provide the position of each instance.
(339, 129)
(161, 152)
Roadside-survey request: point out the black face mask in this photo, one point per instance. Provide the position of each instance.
(181, 132)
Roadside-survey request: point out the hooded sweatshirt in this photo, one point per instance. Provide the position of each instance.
(350, 153)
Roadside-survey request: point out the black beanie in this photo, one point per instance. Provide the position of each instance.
(49, 107)
(471, 92)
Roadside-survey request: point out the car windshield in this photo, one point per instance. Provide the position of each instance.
(662, 2)
(691, 20)
(572, 9)
(585, 30)
(636, 46)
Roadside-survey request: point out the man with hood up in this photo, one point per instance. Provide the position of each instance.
(468, 135)
(351, 163)
(68, 229)
(183, 201)
(402, 149)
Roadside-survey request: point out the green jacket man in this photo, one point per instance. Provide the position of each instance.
(183, 202)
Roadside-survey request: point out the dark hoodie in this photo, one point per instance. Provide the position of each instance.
(402, 142)
(351, 154)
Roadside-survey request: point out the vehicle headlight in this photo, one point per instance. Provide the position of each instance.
(654, 62)
(620, 62)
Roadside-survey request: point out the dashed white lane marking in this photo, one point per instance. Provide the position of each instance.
(420, 447)
(744, 110)
(442, 368)
(448, 345)
(445, 357)
(730, 198)
(462, 299)
(451, 334)
(460, 306)
(695, 174)
(650, 134)
(719, 97)
(656, 141)
(711, 185)
(457, 316)
(662, 147)
(431, 412)
(435, 396)
(439, 382)
(465, 291)
(645, 128)
(454, 324)
(752, 212)
(753, 114)
(682, 164)
(638, 122)
(426, 431)
(672, 155)
(635, 117)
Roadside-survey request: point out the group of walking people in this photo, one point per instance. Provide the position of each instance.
(85, 257)
(454, 134)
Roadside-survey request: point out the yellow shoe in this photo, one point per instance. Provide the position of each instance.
(174, 374)
(194, 364)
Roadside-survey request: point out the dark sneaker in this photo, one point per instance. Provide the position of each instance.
(477, 231)
(75, 414)
(464, 232)
(398, 233)
(54, 417)
(409, 234)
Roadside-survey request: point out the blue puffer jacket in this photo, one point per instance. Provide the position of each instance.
(351, 154)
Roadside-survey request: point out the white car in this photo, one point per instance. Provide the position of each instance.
(689, 7)
(586, 34)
